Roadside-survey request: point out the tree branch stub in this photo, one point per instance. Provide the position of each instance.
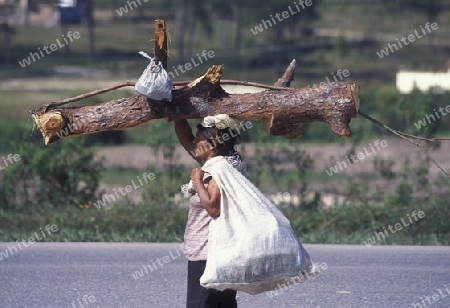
(160, 53)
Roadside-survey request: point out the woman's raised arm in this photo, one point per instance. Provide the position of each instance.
(185, 136)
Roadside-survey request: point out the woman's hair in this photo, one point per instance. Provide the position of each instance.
(223, 140)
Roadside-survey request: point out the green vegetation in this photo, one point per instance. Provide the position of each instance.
(45, 191)
(152, 222)
(54, 177)
(369, 210)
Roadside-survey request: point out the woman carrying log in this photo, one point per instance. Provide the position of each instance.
(215, 136)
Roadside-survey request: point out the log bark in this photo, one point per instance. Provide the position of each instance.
(282, 111)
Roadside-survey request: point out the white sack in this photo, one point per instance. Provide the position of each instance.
(154, 82)
(251, 247)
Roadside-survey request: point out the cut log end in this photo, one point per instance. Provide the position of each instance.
(207, 85)
(340, 125)
(49, 124)
(354, 88)
(211, 77)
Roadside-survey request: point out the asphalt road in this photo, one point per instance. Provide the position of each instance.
(101, 275)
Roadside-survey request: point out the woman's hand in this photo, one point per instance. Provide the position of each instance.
(197, 175)
(210, 197)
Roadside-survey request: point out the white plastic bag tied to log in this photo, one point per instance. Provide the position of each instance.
(154, 82)
(251, 246)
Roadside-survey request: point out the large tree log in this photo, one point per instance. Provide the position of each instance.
(282, 110)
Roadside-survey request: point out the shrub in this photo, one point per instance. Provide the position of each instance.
(59, 175)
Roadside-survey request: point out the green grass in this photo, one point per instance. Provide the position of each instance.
(157, 222)
(84, 222)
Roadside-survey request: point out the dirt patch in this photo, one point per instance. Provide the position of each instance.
(325, 155)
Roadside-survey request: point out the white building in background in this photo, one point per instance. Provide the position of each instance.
(67, 3)
(406, 81)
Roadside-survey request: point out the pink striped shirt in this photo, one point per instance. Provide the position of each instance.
(195, 245)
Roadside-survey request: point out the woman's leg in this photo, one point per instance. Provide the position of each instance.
(197, 296)
(200, 297)
(222, 299)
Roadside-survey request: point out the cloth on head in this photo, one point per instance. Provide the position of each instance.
(221, 121)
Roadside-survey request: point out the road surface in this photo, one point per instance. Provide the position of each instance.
(154, 275)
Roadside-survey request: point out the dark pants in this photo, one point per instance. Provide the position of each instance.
(200, 297)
